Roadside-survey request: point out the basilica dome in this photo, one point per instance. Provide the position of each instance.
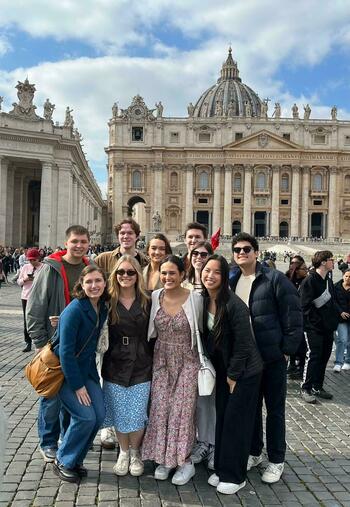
(229, 97)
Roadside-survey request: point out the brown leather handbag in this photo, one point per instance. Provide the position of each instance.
(44, 371)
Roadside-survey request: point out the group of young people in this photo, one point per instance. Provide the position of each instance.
(250, 323)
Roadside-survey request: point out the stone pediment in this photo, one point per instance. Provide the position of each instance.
(263, 140)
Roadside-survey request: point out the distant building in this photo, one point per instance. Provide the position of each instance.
(230, 163)
(45, 181)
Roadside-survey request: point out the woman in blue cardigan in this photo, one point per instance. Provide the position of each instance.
(81, 395)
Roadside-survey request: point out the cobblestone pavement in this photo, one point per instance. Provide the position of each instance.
(317, 470)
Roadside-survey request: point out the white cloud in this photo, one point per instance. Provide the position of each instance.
(5, 46)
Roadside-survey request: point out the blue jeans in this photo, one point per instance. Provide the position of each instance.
(53, 420)
(84, 423)
(342, 342)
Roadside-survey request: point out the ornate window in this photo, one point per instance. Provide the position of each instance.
(203, 181)
(285, 183)
(317, 183)
(237, 182)
(174, 181)
(136, 181)
(261, 181)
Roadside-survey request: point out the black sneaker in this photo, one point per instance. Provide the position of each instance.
(65, 474)
(81, 470)
(48, 454)
(308, 396)
(321, 393)
(27, 348)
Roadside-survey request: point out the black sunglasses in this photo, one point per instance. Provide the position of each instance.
(246, 249)
(129, 272)
(203, 255)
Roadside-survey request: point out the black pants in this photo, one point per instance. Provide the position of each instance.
(274, 391)
(319, 349)
(27, 338)
(235, 414)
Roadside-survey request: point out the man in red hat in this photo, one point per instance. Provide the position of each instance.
(25, 280)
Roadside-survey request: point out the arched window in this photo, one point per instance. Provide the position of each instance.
(317, 183)
(285, 183)
(136, 179)
(203, 181)
(347, 183)
(174, 180)
(261, 181)
(237, 182)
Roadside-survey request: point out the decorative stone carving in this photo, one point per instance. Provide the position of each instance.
(115, 110)
(264, 109)
(137, 111)
(248, 109)
(48, 109)
(160, 109)
(77, 135)
(25, 109)
(68, 121)
(277, 111)
(1, 101)
(307, 112)
(157, 221)
(263, 140)
(218, 108)
(334, 112)
(231, 109)
(295, 111)
(190, 110)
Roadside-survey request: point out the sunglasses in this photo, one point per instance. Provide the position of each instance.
(202, 255)
(246, 249)
(129, 272)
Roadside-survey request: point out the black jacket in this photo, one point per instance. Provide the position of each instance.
(275, 312)
(237, 345)
(325, 319)
(342, 297)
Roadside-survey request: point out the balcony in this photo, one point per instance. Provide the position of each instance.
(261, 191)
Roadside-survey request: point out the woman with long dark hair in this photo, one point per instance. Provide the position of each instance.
(198, 256)
(157, 248)
(231, 346)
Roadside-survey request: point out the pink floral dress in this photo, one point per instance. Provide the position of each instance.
(170, 432)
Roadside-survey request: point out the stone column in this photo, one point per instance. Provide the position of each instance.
(46, 216)
(216, 198)
(294, 219)
(228, 201)
(3, 199)
(332, 203)
(158, 190)
(64, 198)
(247, 204)
(10, 205)
(305, 185)
(78, 202)
(188, 215)
(275, 201)
(117, 202)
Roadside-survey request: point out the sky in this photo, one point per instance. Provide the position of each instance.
(88, 54)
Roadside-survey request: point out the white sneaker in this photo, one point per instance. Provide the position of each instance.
(346, 366)
(199, 452)
(122, 465)
(254, 461)
(211, 455)
(183, 474)
(229, 488)
(213, 480)
(337, 368)
(108, 438)
(273, 473)
(162, 472)
(136, 467)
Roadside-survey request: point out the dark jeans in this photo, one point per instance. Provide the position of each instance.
(235, 416)
(319, 349)
(273, 390)
(27, 338)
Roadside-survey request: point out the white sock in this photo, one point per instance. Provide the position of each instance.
(134, 452)
(124, 453)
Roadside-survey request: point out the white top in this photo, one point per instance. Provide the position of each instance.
(244, 287)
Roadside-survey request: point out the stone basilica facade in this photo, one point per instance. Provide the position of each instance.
(230, 163)
(46, 184)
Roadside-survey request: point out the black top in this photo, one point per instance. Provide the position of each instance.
(128, 360)
(236, 346)
(343, 297)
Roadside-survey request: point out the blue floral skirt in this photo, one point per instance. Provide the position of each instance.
(126, 407)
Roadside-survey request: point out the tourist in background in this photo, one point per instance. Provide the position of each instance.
(170, 433)
(157, 248)
(25, 279)
(127, 364)
(342, 336)
(78, 330)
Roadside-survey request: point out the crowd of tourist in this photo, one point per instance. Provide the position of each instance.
(256, 324)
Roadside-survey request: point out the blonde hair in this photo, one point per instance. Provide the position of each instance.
(114, 287)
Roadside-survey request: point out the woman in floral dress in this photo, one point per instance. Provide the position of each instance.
(171, 430)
